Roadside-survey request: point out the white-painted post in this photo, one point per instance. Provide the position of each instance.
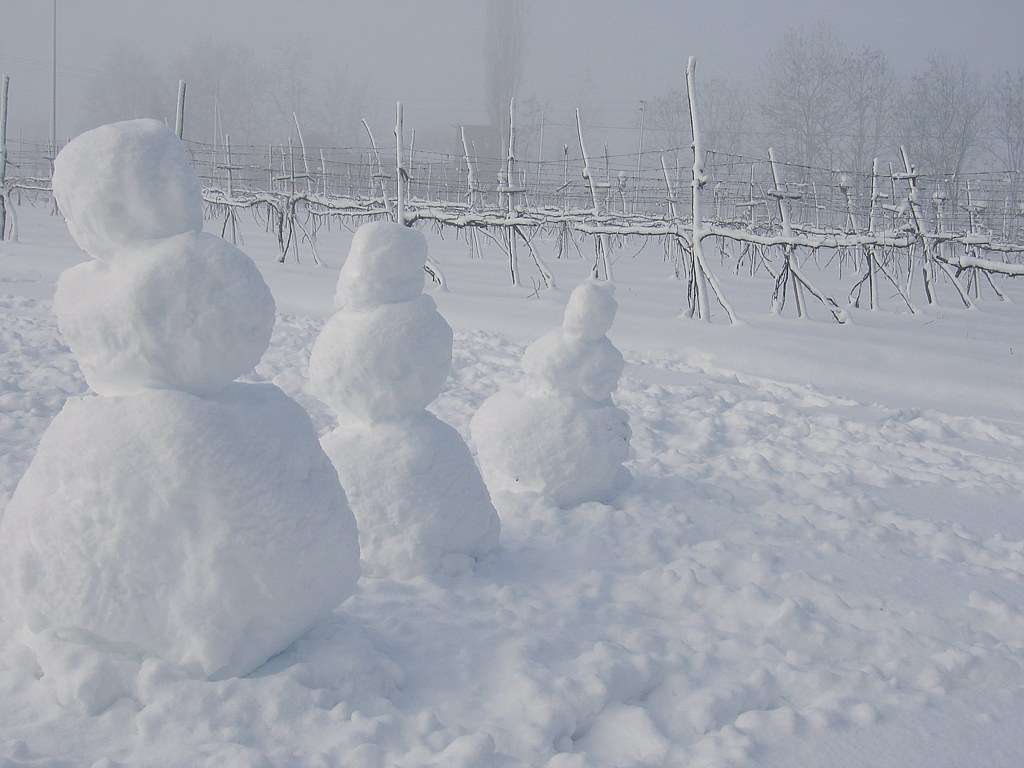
(470, 170)
(927, 269)
(513, 256)
(302, 146)
(787, 232)
(697, 182)
(400, 167)
(588, 174)
(380, 169)
(872, 258)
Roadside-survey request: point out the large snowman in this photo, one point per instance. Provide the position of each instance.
(558, 434)
(177, 514)
(380, 360)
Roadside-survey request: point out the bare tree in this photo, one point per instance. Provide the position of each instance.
(228, 93)
(943, 113)
(127, 85)
(503, 55)
(1007, 138)
(725, 117)
(340, 105)
(804, 100)
(870, 90)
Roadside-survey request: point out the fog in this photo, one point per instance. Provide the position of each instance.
(256, 62)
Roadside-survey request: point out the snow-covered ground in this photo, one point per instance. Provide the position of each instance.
(820, 560)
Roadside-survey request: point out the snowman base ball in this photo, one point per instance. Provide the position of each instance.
(568, 449)
(211, 532)
(417, 494)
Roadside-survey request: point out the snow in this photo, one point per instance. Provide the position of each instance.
(218, 573)
(380, 360)
(189, 312)
(819, 559)
(104, 183)
(558, 433)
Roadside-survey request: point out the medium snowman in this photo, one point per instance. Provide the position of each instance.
(174, 513)
(385, 355)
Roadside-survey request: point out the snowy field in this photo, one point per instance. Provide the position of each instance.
(820, 560)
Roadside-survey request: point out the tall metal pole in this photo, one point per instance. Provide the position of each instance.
(53, 83)
(53, 103)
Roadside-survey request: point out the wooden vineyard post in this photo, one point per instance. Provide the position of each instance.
(179, 112)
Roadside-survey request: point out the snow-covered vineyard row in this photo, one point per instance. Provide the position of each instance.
(888, 230)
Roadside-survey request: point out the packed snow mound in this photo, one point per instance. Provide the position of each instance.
(417, 495)
(189, 312)
(384, 266)
(563, 448)
(590, 311)
(557, 433)
(122, 183)
(211, 532)
(383, 363)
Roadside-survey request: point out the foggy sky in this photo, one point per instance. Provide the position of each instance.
(429, 53)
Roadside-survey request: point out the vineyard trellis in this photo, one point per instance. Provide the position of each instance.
(864, 223)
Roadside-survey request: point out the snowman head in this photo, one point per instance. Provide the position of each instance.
(384, 266)
(124, 183)
(591, 310)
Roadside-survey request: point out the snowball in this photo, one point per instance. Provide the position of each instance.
(209, 532)
(568, 449)
(190, 312)
(384, 265)
(560, 363)
(416, 493)
(123, 183)
(590, 312)
(382, 363)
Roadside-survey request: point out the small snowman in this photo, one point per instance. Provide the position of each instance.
(385, 355)
(557, 433)
(178, 514)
